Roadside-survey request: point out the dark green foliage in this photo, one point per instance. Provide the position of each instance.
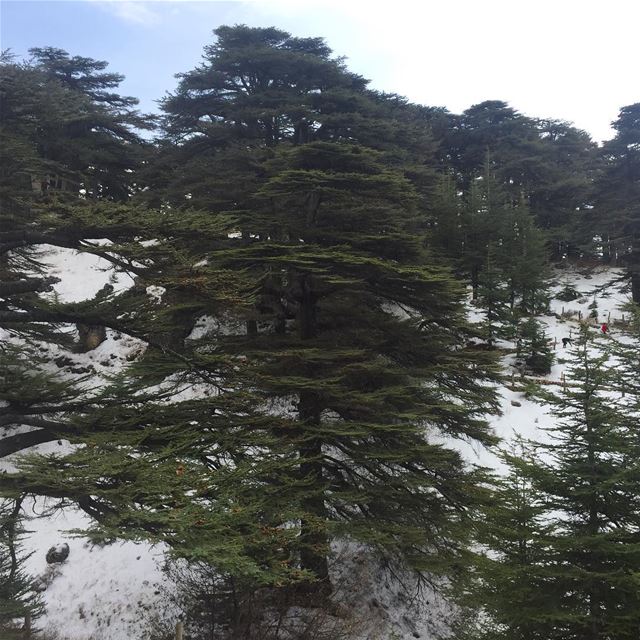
(326, 232)
(581, 523)
(270, 82)
(480, 220)
(625, 352)
(560, 191)
(533, 347)
(32, 397)
(568, 293)
(617, 213)
(593, 482)
(62, 131)
(308, 360)
(494, 297)
(66, 142)
(446, 229)
(524, 260)
(258, 89)
(363, 385)
(465, 225)
(509, 583)
(548, 162)
(69, 151)
(494, 242)
(316, 405)
(17, 598)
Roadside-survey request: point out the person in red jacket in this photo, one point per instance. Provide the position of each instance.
(604, 328)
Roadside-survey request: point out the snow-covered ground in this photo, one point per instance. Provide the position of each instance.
(107, 592)
(99, 592)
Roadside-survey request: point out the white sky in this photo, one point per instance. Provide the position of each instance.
(567, 59)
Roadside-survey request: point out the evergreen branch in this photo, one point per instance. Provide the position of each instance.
(10, 240)
(118, 262)
(26, 285)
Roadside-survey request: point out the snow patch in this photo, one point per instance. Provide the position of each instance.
(81, 274)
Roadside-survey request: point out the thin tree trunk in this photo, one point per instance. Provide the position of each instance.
(313, 535)
(634, 268)
(635, 285)
(606, 249)
(475, 281)
(593, 563)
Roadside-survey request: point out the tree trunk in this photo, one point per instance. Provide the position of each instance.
(635, 284)
(593, 563)
(313, 535)
(90, 336)
(607, 255)
(634, 268)
(475, 281)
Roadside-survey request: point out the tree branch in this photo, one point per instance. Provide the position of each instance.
(27, 285)
(21, 441)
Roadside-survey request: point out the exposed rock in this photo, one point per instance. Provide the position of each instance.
(515, 403)
(58, 553)
(91, 336)
(64, 361)
(82, 370)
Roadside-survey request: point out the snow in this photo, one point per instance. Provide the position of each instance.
(208, 326)
(531, 419)
(81, 274)
(155, 293)
(99, 592)
(107, 592)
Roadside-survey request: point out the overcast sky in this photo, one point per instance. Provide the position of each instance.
(572, 60)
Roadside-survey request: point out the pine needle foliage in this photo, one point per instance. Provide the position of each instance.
(17, 597)
(581, 519)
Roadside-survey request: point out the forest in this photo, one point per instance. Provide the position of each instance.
(320, 286)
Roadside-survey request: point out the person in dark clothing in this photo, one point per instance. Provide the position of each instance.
(566, 341)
